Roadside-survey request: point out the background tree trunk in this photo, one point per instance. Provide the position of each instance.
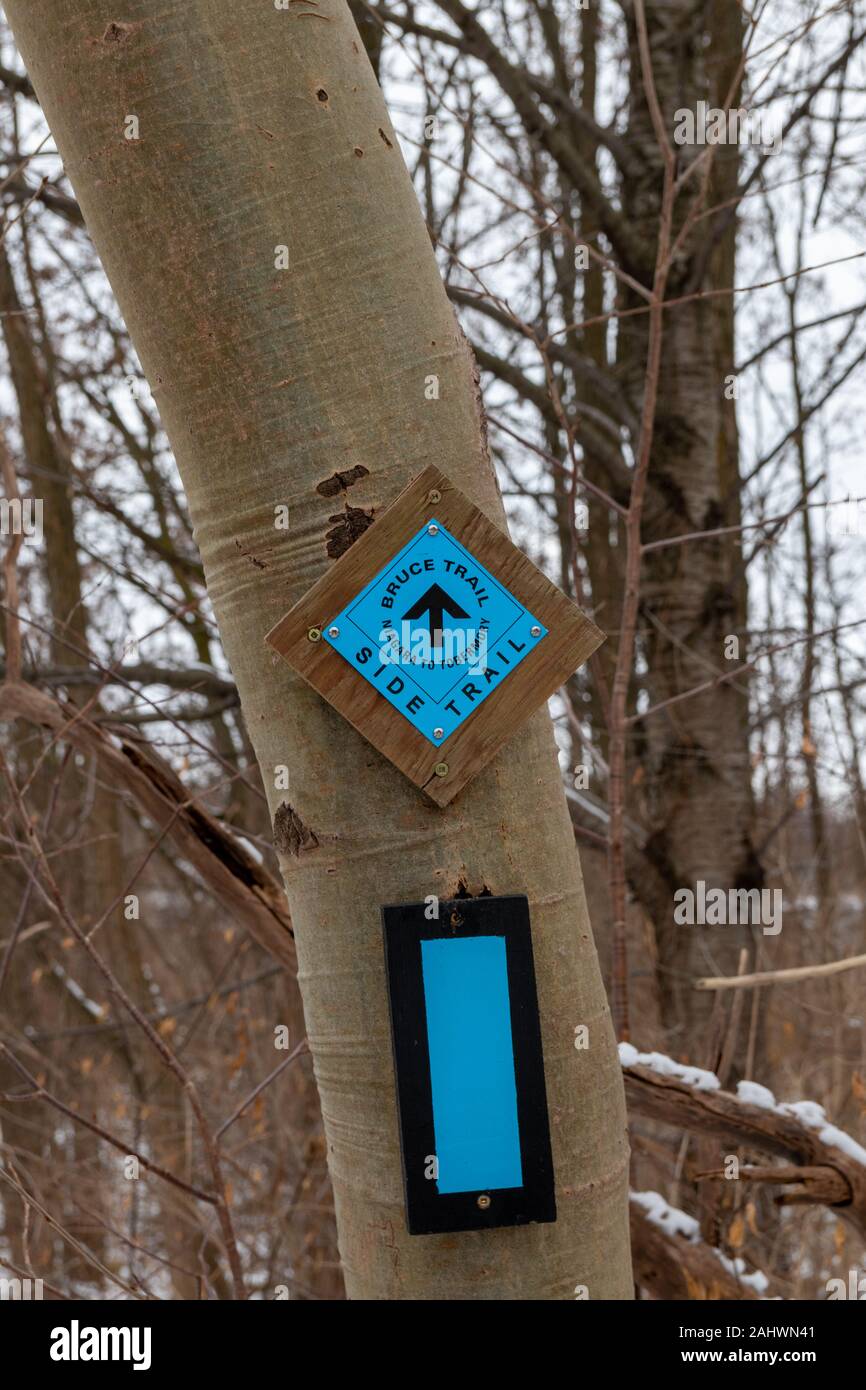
(695, 756)
(260, 128)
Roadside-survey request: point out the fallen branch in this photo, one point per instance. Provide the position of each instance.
(823, 1185)
(829, 1173)
(671, 1264)
(243, 886)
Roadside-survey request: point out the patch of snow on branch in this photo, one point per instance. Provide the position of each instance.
(678, 1223)
(249, 845)
(753, 1094)
(814, 1116)
(808, 1112)
(671, 1220)
(756, 1280)
(666, 1066)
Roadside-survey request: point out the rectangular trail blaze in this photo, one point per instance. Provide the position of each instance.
(471, 1095)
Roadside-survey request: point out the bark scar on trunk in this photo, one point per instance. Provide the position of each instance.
(464, 891)
(253, 559)
(346, 528)
(291, 835)
(341, 482)
(117, 31)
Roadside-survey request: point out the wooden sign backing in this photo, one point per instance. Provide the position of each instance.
(441, 772)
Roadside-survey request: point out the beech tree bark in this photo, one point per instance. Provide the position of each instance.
(260, 128)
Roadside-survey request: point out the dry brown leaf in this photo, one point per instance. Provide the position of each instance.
(737, 1231)
(695, 1289)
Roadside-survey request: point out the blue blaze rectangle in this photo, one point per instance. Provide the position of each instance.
(471, 1063)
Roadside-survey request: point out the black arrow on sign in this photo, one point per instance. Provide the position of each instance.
(435, 602)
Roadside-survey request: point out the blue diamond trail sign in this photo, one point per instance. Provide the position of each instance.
(434, 632)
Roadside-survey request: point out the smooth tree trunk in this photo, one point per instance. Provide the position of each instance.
(259, 128)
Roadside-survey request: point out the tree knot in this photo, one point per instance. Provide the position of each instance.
(291, 835)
